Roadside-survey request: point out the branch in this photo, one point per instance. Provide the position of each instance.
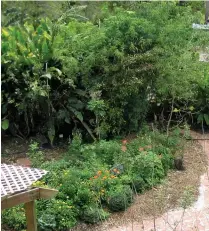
(171, 113)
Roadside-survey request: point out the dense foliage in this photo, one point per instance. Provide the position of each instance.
(100, 180)
(97, 71)
(104, 79)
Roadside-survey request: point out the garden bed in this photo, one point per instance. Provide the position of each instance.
(167, 195)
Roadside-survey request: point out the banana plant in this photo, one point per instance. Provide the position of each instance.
(26, 45)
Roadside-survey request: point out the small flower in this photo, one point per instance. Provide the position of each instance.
(107, 171)
(112, 176)
(104, 178)
(115, 170)
(124, 142)
(99, 172)
(95, 177)
(102, 190)
(118, 172)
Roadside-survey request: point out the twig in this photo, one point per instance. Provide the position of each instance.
(153, 197)
(170, 116)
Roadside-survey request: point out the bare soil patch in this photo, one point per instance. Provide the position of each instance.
(15, 148)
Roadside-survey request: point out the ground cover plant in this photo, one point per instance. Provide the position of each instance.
(101, 180)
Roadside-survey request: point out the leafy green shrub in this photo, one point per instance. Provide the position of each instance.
(35, 155)
(149, 167)
(14, 218)
(147, 158)
(126, 179)
(167, 158)
(47, 222)
(55, 165)
(70, 183)
(119, 197)
(174, 143)
(83, 196)
(56, 170)
(101, 182)
(135, 181)
(65, 214)
(62, 213)
(103, 151)
(93, 214)
(138, 184)
(106, 150)
(75, 146)
(98, 107)
(88, 152)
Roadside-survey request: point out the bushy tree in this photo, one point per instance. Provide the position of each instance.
(179, 71)
(139, 58)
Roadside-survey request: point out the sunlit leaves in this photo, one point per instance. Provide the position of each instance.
(176, 110)
(5, 124)
(5, 32)
(191, 108)
(48, 76)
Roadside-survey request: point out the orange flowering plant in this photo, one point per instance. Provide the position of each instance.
(101, 182)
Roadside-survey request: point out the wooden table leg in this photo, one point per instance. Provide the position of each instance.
(30, 213)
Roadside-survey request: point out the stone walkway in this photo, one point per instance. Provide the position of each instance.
(195, 218)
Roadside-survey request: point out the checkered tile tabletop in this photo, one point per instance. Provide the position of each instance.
(17, 178)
